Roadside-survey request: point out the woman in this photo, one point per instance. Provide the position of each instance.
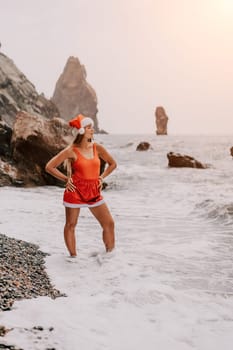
(84, 183)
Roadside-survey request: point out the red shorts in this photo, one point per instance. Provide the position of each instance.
(86, 194)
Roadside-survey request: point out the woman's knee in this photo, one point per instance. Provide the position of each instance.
(109, 224)
(70, 225)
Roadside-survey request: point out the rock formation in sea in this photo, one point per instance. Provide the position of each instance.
(73, 94)
(143, 146)
(178, 160)
(161, 120)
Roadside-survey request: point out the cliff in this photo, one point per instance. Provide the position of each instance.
(18, 93)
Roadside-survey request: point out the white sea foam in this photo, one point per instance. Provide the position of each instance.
(168, 285)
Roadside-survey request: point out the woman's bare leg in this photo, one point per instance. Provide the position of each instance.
(72, 215)
(103, 215)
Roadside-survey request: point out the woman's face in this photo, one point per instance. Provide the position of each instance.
(89, 131)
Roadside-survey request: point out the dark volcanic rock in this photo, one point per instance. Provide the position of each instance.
(143, 146)
(179, 160)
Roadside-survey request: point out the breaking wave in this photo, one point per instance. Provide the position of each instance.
(222, 213)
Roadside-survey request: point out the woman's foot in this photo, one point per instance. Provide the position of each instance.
(72, 258)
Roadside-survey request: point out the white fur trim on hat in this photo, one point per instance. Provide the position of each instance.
(86, 121)
(81, 131)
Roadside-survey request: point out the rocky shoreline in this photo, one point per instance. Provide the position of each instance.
(22, 275)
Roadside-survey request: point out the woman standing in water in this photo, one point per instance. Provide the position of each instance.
(84, 183)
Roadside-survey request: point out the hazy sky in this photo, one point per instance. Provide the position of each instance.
(138, 54)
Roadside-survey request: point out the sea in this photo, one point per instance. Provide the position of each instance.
(169, 283)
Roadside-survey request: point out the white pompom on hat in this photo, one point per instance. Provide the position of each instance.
(80, 122)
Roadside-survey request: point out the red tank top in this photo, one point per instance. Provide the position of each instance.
(86, 168)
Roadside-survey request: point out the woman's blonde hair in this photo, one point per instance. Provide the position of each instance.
(67, 162)
(67, 166)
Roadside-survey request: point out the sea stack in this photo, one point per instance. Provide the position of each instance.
(161, 120)
(73, 95)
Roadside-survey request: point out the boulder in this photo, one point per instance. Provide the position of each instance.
(161, 120)
(179, 160)
(73, 95)
(34, 141)
(143, 146)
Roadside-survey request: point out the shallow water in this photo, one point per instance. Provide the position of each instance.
(169, 283)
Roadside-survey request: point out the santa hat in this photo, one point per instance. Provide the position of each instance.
(79, 122)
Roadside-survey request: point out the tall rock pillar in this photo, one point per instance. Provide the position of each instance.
(161, 120)
(73, 95)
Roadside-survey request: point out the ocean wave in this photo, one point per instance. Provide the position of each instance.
(222, 212)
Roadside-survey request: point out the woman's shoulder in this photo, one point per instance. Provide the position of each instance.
(98, 146)
(70, 150)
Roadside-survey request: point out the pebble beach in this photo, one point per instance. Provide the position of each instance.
(23, 276)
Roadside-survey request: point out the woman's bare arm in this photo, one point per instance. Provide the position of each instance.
(53, 164)
(103, 153)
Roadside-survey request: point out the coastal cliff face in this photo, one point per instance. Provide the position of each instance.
(73, 95)
(161, 120)
(32, 129)
(28, 128)
(18, 93)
